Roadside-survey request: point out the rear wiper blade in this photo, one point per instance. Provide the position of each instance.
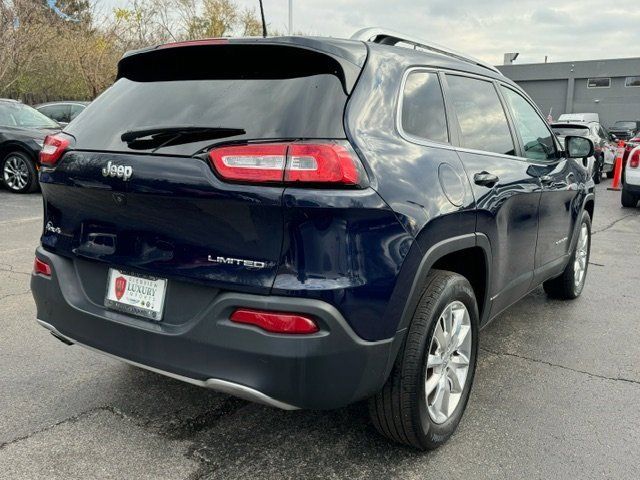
(161, 136)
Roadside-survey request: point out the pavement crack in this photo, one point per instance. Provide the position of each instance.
(2, 297)
(564, 367)
(71, 419)
(615, 222)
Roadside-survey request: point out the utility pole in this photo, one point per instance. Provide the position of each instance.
(290, 17)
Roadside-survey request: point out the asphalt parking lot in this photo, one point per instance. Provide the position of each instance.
(556, 395)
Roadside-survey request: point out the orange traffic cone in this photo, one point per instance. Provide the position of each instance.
(617, 169)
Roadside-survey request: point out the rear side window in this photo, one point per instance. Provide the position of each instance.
(240, 93)
(59, 113)
(536, 137)
(423, 114)
(483, 122)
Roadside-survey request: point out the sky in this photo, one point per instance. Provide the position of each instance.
(562, 30)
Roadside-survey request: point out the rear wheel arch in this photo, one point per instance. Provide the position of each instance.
(9, 147)
(448, 255)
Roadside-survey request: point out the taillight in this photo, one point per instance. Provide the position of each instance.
(634, 159)
(251, 163)
(52, 149)
(292, 163)
(275, 322)
(41, 268)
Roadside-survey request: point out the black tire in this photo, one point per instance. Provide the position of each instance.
(31, 175)
(565, 287)
(598, 166)
(628, 199)
(400, 410)
(610, 174)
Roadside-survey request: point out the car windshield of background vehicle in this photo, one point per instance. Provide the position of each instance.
(625, 125)
(483, 122)
(575, 131)
(537, 139)
(599, 83)
(423, 113)
(632, 82)
(24, 116)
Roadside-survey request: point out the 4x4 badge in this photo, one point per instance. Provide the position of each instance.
(121, 171)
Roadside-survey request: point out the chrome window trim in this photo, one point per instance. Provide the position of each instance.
(448, 146)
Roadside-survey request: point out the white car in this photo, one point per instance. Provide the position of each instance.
(631, 183)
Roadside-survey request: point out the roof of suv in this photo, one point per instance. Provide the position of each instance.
(354, 51)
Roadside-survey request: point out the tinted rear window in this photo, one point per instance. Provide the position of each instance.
(423, 113)
(483, 123)
(256, 98)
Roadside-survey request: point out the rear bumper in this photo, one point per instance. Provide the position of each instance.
(329, 369)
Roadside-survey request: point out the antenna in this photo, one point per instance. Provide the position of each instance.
(264, 23)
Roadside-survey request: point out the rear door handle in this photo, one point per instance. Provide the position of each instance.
(485, 179)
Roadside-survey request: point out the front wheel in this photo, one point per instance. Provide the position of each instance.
(598, 167)
(19, 173)
(569, 285)
(427, 392)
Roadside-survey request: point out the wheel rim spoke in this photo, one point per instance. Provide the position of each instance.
(448, 361)
(15, 173)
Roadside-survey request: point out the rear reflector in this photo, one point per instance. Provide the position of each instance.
(41, 268)
(52, 149)
(293, 163)
(275, 322)
(634, 159)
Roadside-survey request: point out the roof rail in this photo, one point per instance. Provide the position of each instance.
(389, 37)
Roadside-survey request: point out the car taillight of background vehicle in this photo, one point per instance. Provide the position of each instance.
(52, 149)
(318, 163)
(634, 159)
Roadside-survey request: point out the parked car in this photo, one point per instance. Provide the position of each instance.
(62, 112)
(631, 183)
(579, 117)
(625, 129)
(22, 133)
(604, 157)
(309, 222)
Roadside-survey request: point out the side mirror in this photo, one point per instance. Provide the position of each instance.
(578, 147)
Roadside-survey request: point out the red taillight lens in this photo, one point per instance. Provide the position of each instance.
(52, 149)
(276, 322)
(634, 159)
(321, 163)
(251, 163)
(41, 268)
(317, 163)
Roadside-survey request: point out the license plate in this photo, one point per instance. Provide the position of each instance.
(136, 295)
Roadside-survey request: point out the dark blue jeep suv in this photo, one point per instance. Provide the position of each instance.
(309, 222)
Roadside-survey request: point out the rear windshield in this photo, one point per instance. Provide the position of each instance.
(265, 100)
(567, 131)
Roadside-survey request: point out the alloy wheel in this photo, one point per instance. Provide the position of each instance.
(448, 361)
(16, 172)
(582, 253)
